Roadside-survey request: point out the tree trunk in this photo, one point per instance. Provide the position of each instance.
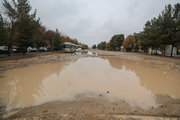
(9, 53)
(9, 49)
(132, 47)
(172, 51)
(24, 51)
(11, 39)
(165, 50)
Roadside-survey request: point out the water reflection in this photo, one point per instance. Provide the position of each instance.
(125, 80)
(160, 79)
(19, 85)
(97, 75)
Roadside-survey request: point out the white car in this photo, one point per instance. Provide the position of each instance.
(3, 49)
(154, 52)
(43, 49)
(30, 49)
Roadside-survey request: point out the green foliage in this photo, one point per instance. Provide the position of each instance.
(57, 41)
(24, 30)
(102, 46)
(38, 37)
(10, 10)
(116, 42)
(3, 32)
(94, 46)
(84, 46)
(26, 25)
(162, 31)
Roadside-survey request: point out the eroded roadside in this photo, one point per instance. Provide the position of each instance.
(152, 59)
(97, 107)
(6, 64)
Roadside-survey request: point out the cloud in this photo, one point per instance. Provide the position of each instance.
(93, 21)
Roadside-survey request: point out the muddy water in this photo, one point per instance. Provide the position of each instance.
(114, 79)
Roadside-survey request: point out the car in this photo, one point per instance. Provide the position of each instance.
(30, 49)
(42, 49)
(156, 52)
(78, 48)
(3, 49)
(14, 48)
(34, 50)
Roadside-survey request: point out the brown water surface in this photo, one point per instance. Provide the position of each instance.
(136, 83)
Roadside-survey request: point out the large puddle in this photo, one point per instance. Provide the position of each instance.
(136, 83)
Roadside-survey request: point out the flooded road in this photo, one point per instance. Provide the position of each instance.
(136, 83)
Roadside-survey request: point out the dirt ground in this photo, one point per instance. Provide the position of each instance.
(87, 108)
(18, 61)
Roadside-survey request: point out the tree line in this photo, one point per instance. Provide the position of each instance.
(157, 34)
(20, 27)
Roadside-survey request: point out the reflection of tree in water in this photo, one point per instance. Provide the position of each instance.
(157, 78)
(22, 83)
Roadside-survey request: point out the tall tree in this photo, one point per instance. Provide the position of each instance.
(49, 36)
(163, 30)
(38, 37)
(26, 25)
(168, 35)
(129, 42)
(116, 42)
(176, 17)
(57, 41)
(94, 46)
(3, 32)
(10, 10)
(102, 46)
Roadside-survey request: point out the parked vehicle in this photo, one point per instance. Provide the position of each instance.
(42, 49)
(30, 49)
(69, 47)
(78, 48)
(156, 52)
(14, 48)
(3, 49)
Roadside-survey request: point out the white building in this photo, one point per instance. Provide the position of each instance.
(168, 50)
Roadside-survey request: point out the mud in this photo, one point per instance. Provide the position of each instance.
(86, 86)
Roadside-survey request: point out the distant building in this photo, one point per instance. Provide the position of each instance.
(168, 50)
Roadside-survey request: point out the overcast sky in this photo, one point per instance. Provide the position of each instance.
(93, 21)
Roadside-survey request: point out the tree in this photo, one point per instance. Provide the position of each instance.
(10, 10)
(168, 33)
(26, 25)
(49, 37)
(94, 46)
(163, 30)
(129, 42)
(57, 41)
(38, 37)
(3, 32)
(143, 41)
(102, 46)
(84, 46)
(116, 42)
(176, 17)
(107, 46)
(137, 42)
